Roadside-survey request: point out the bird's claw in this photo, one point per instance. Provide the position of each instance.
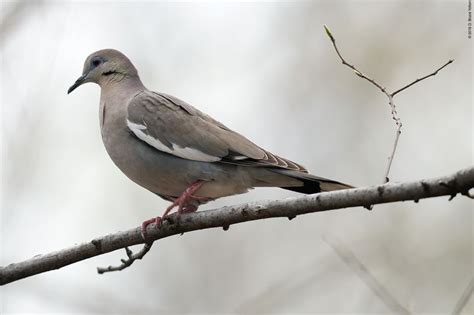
(145, 224)
(182, 202)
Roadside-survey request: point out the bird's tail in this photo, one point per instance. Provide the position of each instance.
(312, 184)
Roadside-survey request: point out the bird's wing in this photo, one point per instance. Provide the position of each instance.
(175, 127)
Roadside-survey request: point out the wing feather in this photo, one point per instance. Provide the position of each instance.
(175, 127)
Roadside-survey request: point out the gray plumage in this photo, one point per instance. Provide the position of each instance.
(165, 144)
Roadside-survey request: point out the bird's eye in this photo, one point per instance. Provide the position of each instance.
(96, 62)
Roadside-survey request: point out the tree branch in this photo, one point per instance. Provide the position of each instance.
(129, 261)
(363, 272)
(421, 79)
(459, 182)
(464, 298)
(390, 96)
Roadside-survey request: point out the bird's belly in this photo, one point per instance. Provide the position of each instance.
(168, 175)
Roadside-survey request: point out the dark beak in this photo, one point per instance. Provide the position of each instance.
(78, 82)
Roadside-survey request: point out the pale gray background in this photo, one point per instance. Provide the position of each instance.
(268, 71)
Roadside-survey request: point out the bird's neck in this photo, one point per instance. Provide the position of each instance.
(120, 88)
(114, 98)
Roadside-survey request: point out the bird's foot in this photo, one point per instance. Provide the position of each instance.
(189, 209)
(183, 204)
(146, 223)
(183, 201)
(158, 220)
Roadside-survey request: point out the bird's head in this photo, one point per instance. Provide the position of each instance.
(105, 66)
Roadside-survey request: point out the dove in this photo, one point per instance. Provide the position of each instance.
(178, 152)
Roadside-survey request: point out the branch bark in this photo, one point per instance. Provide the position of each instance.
(459, 182)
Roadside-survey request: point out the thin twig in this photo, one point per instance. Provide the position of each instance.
(129, 261)
(363, 272)
(398, 131)
(421, 79)
(464, 298)
(390, 96)
(356, 71)
(460, 181)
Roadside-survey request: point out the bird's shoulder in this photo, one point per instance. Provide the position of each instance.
(155, 103)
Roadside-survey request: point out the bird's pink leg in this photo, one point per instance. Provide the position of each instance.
(182, 202)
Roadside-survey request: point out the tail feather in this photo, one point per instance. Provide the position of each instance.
(312, 184)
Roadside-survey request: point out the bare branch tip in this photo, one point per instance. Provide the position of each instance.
(328, 32)
(127, 262)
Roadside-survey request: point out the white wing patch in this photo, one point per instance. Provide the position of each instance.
(238, 157)
(183, 152)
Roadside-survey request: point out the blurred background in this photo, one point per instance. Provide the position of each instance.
(267, 70)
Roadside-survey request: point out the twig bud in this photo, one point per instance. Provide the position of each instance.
(357, 72)
(328, 32)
